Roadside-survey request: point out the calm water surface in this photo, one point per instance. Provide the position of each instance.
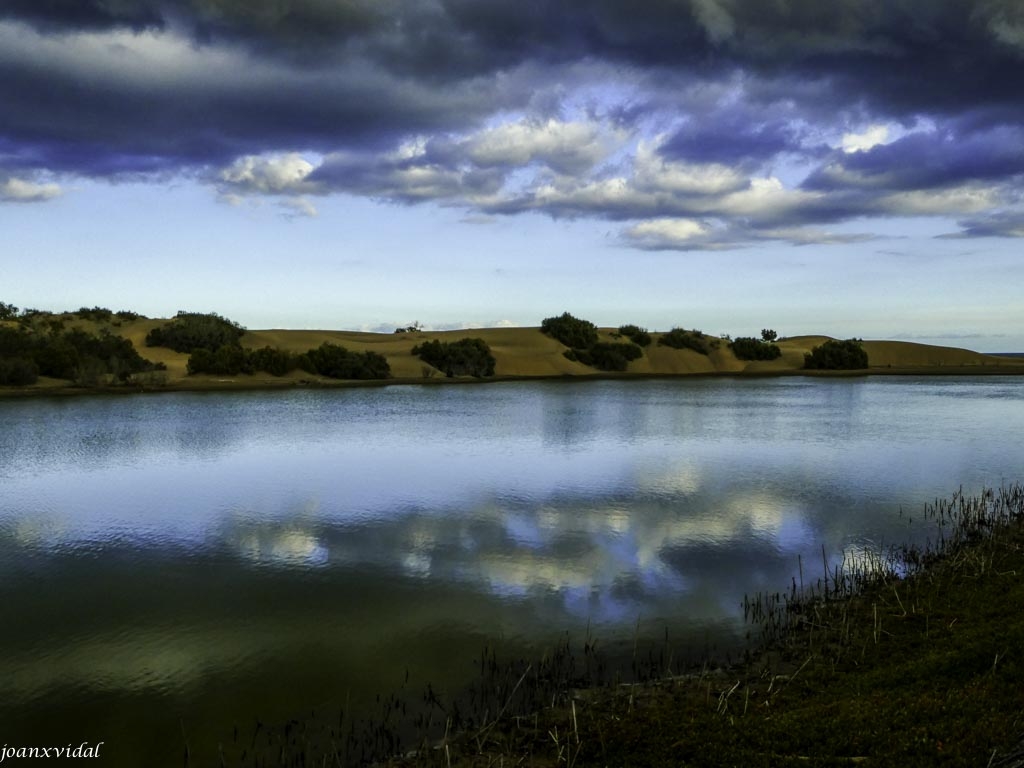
(173, 565)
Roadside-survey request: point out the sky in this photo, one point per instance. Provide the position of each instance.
(851, 168)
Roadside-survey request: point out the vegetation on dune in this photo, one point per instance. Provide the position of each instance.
(189, 331)
(636, 334)
(837, 355)
(582, 339)
(337, 362)
(680, 338)
(748, 348)
(465, 357)
(606, 355)
(330, 360)
(214, 346)
(18, 371)
(84, 358)
(571, 331)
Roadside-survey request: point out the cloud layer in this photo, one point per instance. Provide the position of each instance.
(695, 123)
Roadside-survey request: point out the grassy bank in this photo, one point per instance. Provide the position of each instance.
(908, 657)
(914, 658)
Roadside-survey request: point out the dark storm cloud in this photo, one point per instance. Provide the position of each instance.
(732, 88)
(999, 224)
(84, 14)
(742, 133)
(94, 109)
(926, 160)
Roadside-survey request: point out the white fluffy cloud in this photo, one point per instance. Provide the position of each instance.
(270, 174)
(15, 190)
(654, 172)
(565, 147)
(860, 142)
(673, 234)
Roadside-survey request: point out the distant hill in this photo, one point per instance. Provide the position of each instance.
(519, 353)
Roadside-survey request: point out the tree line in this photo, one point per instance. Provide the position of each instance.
(214, 346)
(87, 359)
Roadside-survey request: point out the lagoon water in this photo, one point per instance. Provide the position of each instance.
(174, 565)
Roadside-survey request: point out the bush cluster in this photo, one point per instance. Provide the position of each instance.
(606, 355)
(581, 338)
(189, 331)
(98, 314)
(18, 371)
(337, 362)
(330, 360)
(749, 348)
(837, 355)
(465, 357)
(82, 357)
(571, 331)
(636, 334)
(680, 338)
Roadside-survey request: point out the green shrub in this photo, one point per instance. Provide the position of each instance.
(82, 357)
(18, 371)
(612, 356)
(465, 357)
(189, 331)
(636, 334)
(15, 342)
(99, 314)
(748, 348)
(89, 372)
(606, 356)
(276, 362)
(337, 362)
(226, 360)
(837, 355)
(679, 338)
(571, 331)
(8, 311)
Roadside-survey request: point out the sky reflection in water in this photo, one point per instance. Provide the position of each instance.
(156, 543)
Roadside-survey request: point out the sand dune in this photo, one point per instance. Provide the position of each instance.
(526, 352)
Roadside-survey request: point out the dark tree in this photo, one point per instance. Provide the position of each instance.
(465, 357)
(189, 331)
(768, 335)
(337, 362)
(636, 334)
(76, 355)
(18, 371)
(571, 331)
(837, 355)
(679, 338)
(606, 356)
(276, 362)
(99, 314)
(749, 348)
(8, 311)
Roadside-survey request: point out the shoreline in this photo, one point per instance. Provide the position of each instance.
(271, 385)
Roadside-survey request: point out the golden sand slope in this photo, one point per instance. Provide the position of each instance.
(526, 352)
